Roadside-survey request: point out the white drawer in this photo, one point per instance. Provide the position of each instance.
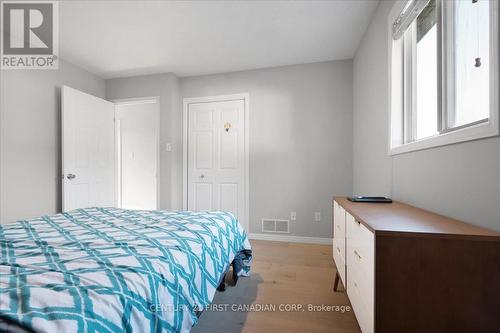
(360, 250)
(360, 245)
(339, 247)
(356, 229)
(339, 216)
(364, 276)
(339, 257)
(364, 315)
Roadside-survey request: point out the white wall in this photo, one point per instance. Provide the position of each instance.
(30, 137)
(166, 86)
(300, 138)
(372, 168)
(461, 181)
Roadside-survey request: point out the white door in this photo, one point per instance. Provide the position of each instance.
(137, 146)
(216, 157)
(88, 151)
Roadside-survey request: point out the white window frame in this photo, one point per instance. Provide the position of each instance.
(401, 136)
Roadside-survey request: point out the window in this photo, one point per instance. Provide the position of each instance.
(471, 42)
(426, 72)
(444, 72)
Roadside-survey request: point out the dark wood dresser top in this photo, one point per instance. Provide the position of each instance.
(397, 217)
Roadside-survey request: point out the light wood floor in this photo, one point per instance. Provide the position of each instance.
(283, 273)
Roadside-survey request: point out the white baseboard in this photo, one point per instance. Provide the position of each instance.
(292, 239)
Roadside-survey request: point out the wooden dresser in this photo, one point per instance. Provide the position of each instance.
(409, 270)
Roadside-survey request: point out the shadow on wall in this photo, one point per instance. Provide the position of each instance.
(218, 320)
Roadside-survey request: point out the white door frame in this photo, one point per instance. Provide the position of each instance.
(220, 98)
(131, 101)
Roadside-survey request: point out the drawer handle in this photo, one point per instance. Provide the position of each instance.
(357, 254)
(338, 226)
(359, 223)
(338, 249)
(355, 284)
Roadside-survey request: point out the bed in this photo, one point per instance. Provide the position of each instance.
(114, 270)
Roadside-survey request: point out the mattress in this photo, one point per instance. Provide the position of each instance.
(114, 270)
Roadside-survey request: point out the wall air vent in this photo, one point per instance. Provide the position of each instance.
(276, 226)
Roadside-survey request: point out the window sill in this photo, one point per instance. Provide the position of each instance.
(479, 131)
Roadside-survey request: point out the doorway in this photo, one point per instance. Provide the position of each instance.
(137, 153)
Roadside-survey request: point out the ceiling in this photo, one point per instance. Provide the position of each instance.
(124, 38)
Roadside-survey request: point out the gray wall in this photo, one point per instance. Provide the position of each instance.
(460, 181)
(166, 86)
(300, 138)
(30, 137)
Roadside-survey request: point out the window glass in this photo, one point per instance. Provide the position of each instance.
(426, 116)
(472, 65)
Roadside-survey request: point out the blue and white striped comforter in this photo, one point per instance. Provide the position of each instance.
(114, 270)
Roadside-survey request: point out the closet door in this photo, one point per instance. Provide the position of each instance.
(216, 157)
